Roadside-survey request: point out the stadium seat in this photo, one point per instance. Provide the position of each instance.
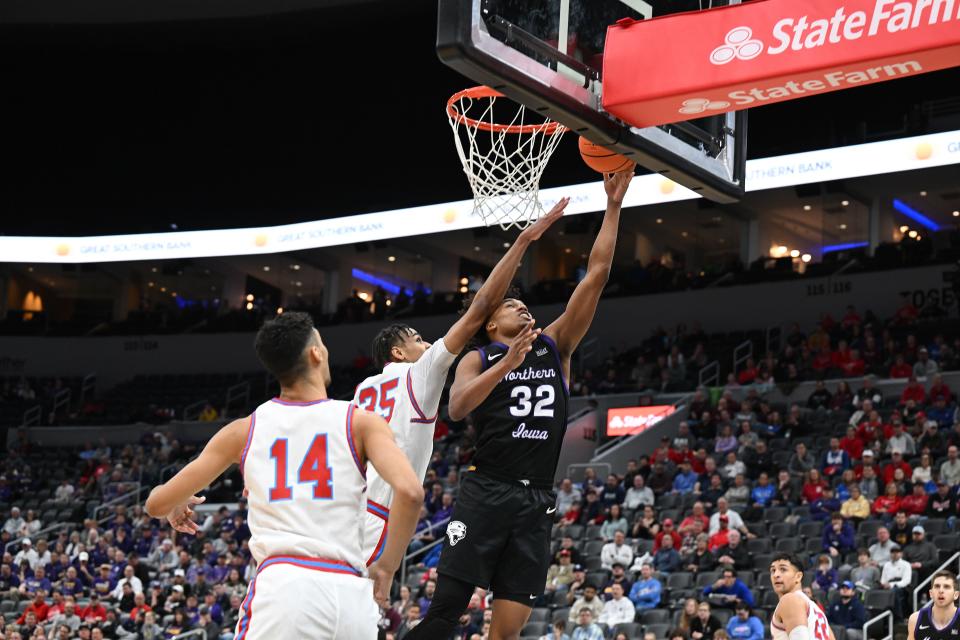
(575, 531)
(592, 533)
(593, 548)
(781, 530)
(655, 616)
(810, 530)
(598, 578)
(788, 545)
(934, 527)
(659, 630)
(681, 580)
(839, 632)
(878, 600)
(775, 514)
(707, 578)
(563, 613)
(950, 542)
(813, 545)
(592, 563)
(758, 545)
(632, 629)
(723, 615)
(868, 528)
(535, 629)
(540, 614)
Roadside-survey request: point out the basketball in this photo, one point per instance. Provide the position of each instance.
(602, 159)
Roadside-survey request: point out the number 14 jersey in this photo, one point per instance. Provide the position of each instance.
(520, 426)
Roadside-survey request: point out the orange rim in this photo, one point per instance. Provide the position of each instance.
(548, 128)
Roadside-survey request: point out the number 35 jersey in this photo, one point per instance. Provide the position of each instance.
(407, 395)
(520, 426)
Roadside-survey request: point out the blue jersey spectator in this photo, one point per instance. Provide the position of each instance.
(728, 590)
(838, 536)
(847, 610)
(685, 480)
(645, 593)
(666, 559)
(744, 626)
(764, 492)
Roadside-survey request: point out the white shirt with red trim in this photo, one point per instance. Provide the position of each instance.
(407, 395)
(816, 622)
(306, 482)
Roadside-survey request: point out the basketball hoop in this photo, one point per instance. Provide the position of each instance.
(505, 162)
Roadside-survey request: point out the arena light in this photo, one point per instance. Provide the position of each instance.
(915, 215)
(831, 248)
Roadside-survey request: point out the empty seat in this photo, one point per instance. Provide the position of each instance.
(878, 600)
(810, 530)
(632, 629)
(659, 630)
(788, 545)
(758, 545)
(535, 629)
(781, 530)
(540, 614)
(682, 580)
(655, 616)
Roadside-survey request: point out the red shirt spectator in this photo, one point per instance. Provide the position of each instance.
(916, 503)
(855, 366)
(662, 453)
(721, 537)
(852, 444)
(900, 369)
(868, 460)
(749, 374)
(813, 487)
(887, 504)
(913, 391)
(939, 390)
(841, 356)
(897, 462)
(852, 318)
(678, 456)
(94, 612)
(687, 523)
(822, 361)
(39, 607)
(440, 430)
(868, 431)
(668, 530)
(907, 314)
(137, 610)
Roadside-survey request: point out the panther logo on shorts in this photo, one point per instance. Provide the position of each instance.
(456, 531)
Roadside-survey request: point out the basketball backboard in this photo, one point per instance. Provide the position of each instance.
(548, 55)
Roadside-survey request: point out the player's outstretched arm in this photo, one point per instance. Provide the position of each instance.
(568, 330)
(472, 385)
(490, 295)
(376, 444)
(173, 499)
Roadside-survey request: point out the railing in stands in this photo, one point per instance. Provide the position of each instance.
(196, 633)
(87, 386)
(191, 412)
(886, 615)
(32, 416)
(709, 376)
(133, 493)
(916, 592)
(421, 550)
(61, 399)
(239, 391)
(741, 354)
(54, 528)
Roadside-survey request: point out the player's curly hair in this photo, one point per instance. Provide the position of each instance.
(480, 338)
(386, 339)
(280, 344)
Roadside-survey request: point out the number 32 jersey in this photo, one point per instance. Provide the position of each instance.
(407, 395)
(520, 426)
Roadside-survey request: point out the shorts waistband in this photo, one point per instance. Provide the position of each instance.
(316, 564)
(520, 482)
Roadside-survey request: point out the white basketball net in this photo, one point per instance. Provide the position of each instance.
(503, 162)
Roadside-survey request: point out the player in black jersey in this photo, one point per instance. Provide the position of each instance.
(938, 620)
(516, 388)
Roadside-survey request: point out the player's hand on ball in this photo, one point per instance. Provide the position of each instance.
(534, 231)
(181, 516)
(521, 346)
(382, 579)
(616, 184)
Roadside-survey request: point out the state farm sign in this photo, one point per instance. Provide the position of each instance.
(626, 421)
(687, 65)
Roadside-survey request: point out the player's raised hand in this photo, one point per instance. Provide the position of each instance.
(521, 346)
(181, 516)
(382, 579)
(615, 184)
(534, 231)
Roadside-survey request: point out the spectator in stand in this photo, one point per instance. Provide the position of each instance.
(710, 496)
(888, 504)
(843, 398)
(847, 611)
(38, 607)
(735, 553)
(900, 530)
(612, 493)
(94, 611)
(851, 444)
(950, 468)
(726, 441)
(940, 413)
(868, 391)
(923, 472)
(618, 576)
(900, 369)
(787, 490)
(705, 625)
(616, 551)
(744, 625)
(586, 629)
(900, 440)
(638, 495)
(924, 367)
(760, 460)
(685, 480)
(820, 398)
(939, 390)
(590, 511)
(618, 609)
(763, 493)
(869, 483)
(590, 599)
(568, 496)
(826, 576)
(856, 507)
(942, 504)
(14, 523)
(560, 575)
(726, 513)
(913, 391)
(27, 554)
(738, 495)
(865, 575)
(696, 515)
(880, 550)
(666, 560)
(896, 576)
(827, 505)
(915, 504)
(645, 525)
(69, 617)
(660, 481)
(813, 487)
(701, 558)
(722, 537)
(590, 481)
(922, 554)
(645, 593)
(896, 462)
(835, 460)
(838, 537)
(614, 522)
(801, 462)
(728, 590)
(667, 531)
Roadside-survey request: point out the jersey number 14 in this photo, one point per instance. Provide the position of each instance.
(314, 468)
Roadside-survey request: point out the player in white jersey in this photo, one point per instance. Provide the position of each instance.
(407, 393)
(796, 617)
(303, 459)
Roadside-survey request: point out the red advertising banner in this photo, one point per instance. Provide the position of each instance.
(627, 421)
(690, 65)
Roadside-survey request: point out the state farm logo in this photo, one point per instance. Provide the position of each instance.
(739, 44)
(702, 105)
